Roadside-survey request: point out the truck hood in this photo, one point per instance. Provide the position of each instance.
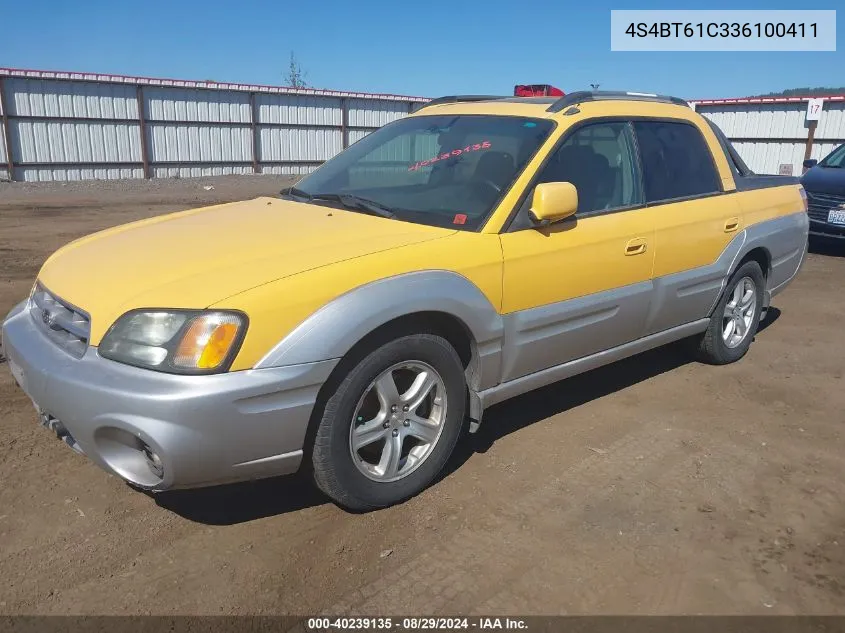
(829, 180)
(195, 258)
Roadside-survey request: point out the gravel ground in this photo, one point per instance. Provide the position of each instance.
(654, 485)
(156, 191)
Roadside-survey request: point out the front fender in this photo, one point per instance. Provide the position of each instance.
(331, 331)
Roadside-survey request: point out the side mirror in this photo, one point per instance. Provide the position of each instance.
(810, 163)
(553, 201)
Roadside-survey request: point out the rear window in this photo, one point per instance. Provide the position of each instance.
(676, 161)
(734, 159)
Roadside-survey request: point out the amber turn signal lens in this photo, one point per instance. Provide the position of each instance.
(207, 341)
(218, 346)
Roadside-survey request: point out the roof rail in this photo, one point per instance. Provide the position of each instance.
(574, 98)
(462, 99)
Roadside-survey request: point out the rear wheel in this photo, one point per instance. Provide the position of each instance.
(735, 319)
(392, 423)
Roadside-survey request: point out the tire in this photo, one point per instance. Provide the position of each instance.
(719, 345)
(365, 477)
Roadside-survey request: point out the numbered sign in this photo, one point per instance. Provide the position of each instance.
(814, 109)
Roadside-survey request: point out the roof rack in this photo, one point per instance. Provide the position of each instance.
(574, 98)
(462, 99)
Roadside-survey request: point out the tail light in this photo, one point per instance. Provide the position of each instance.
(803, 193)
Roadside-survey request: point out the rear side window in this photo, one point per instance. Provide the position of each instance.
(676, 161)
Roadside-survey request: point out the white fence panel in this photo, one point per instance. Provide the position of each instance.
(294, 109)
(366, 113)
(198, 143)
(180, 104)
(832, 122)
(288, 170)
(770, 135)
(75, 142)
(197, 171)
(61, 174)
(71, 126)
(357, 135)
(88, 100)
(308, 145)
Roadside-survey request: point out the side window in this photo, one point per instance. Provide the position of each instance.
(676, 161)
(599, 159)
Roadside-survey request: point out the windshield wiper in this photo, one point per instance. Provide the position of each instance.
(351, 201)
(296, 192)
(348, 200)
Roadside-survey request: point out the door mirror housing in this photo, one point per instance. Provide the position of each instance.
(553, 202)
(810, 163)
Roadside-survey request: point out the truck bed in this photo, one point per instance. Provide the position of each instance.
(763, 181)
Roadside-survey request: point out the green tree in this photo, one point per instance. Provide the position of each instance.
(806, 92)
(295, 76)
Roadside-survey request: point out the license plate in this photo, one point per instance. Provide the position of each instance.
(836, 216)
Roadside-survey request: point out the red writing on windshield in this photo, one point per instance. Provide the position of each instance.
(455, 152)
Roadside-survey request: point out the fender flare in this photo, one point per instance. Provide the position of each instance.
(784, 239)
(331, 331)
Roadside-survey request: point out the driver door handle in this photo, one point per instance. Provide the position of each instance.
(731, 225)
(636, 246)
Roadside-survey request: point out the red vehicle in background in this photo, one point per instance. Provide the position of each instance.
(537, 90)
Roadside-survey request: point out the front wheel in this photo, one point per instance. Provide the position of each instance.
(392, 423)
(735, 319)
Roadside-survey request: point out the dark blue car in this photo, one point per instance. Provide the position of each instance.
(825, 186)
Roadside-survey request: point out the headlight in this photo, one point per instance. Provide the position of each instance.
(176, 341)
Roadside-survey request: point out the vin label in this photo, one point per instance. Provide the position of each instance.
(723, 30)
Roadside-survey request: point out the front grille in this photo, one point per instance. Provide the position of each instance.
(820, 203)
(67, 326)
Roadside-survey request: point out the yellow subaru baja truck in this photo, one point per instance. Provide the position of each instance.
(473, 251)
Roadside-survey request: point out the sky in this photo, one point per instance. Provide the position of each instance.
(417, 47)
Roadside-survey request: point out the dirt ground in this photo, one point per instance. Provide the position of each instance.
(654, 485)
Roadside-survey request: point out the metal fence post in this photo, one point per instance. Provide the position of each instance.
(253, 123)
(7, 136)
(142, 127)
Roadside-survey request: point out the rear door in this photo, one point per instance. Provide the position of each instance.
(694, 220)
(582, 285)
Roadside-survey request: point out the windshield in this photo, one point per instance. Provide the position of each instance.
(835, 159)
(437, 170)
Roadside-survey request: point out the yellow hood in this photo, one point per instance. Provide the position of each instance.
(196, 258)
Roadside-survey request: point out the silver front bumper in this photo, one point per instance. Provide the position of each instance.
(204, 429)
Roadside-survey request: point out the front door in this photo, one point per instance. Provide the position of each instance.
(582, 285)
